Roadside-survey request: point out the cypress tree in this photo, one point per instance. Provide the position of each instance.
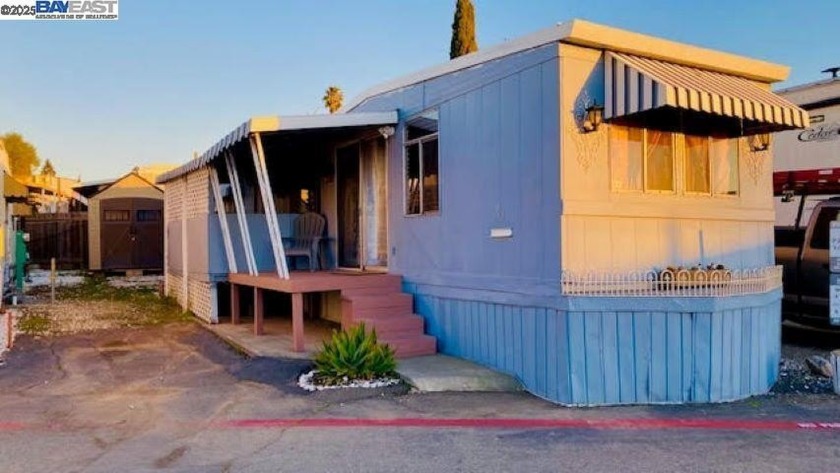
(463, 30)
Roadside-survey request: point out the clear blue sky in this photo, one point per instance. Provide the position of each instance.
(173, 76)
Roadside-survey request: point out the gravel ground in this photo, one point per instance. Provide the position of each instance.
(799, 343)
(796, 378)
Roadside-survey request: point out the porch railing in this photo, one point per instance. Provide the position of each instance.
(692, 282)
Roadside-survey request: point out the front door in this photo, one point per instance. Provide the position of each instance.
(347, 176)
(362, 205)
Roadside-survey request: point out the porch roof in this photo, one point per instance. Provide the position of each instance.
(636, 84)
(279, 124)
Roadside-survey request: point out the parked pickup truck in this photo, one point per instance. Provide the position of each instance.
(804, 254)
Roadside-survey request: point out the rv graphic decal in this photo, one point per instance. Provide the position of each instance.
(821, 133)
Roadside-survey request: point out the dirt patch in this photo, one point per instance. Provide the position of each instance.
(94, 305)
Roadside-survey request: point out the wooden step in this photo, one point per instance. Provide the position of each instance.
(395, 327)
(381, 286)
(416, 345)
(391, 299)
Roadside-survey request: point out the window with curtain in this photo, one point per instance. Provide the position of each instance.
(697, 165)
(626, 158)
(659, 161)
(724, 158)
(646, 160)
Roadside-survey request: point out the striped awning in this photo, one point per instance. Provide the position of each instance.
(637, 84)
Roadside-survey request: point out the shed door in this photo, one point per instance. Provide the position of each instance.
(131, 235)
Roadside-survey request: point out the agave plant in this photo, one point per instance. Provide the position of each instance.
(354, 354)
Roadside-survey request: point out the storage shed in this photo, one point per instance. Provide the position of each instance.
(125, 224)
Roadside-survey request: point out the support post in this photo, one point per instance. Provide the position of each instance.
(258, 311)
(297, 322)
(234, 304)
(223, 223)
(240, 215)
(185, 271)
(52, 280)
(268, 205)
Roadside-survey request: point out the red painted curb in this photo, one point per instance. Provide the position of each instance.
(509, 423)
(504, 423)
(11, 426)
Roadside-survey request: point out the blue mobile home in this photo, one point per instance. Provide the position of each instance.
(546, 204)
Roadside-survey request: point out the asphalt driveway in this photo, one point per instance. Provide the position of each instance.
(175, 398)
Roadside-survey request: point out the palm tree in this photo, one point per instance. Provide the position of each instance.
(333, 97)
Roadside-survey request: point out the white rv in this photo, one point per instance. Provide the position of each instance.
(807, 162)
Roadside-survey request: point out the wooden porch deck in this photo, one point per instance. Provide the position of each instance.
(299, 283)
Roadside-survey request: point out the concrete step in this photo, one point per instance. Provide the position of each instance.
(416, 345)
(395, 327)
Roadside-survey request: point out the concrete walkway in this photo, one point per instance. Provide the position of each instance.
(434, 373)
(437, 373)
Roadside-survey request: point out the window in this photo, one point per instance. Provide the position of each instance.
(116, 215)
(659, 161)
(724, 157)
(697, 164)
(646, 160)
(822, 228)
(422, 190)
(148, 215)
(626, 152)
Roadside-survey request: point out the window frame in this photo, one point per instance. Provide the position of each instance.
(679, 156)
(148, 212)
(106, 213)
(420, 141)
(736, 142)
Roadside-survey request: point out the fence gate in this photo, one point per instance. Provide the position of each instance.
(61, 236)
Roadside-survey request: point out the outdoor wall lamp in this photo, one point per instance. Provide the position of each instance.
(386, 132)
(760, 142)
(593, 118)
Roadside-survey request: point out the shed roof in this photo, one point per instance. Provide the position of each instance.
(114, 182)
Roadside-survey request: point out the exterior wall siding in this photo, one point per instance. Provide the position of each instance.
(499, 166)
(640, 353)
(644, 243)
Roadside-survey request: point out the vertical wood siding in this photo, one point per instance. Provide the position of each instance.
(499, 167)
(616, 357)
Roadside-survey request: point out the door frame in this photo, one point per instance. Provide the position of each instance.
(362, 252)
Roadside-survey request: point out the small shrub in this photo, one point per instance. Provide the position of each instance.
(34, 324)
(354, 354)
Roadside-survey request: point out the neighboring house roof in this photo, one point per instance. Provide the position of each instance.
(91, 188)
(592, 35)
(277, 124)
(14, 190)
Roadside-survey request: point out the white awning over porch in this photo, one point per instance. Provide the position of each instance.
(636, 84)
(277, 124)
